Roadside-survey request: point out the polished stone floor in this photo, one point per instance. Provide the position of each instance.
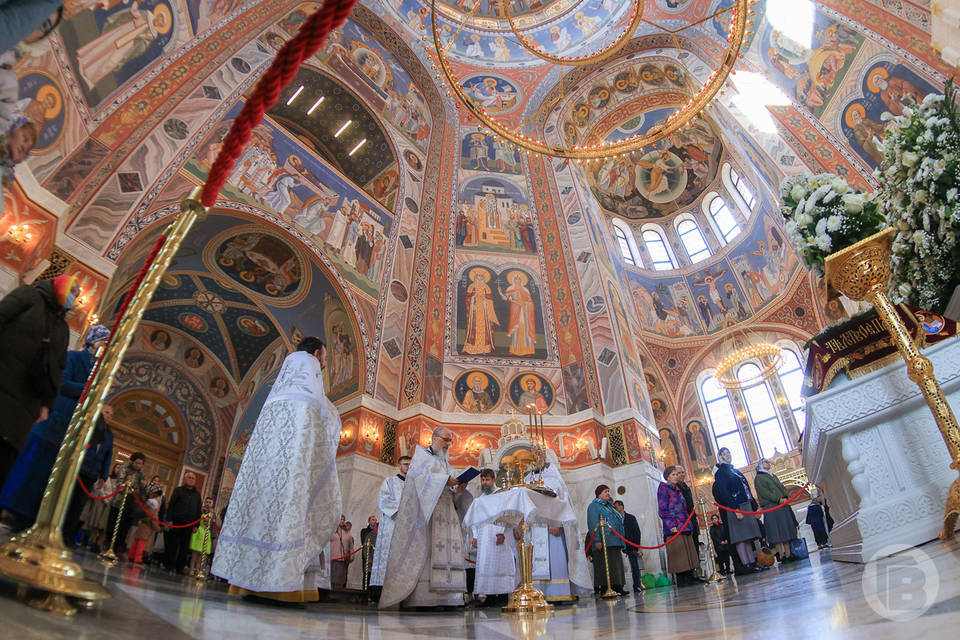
(817, 598)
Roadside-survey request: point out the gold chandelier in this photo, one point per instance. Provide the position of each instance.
(739, 29)
(769, 356)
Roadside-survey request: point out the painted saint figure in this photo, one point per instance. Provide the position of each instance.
(481, 316)
(521, 328)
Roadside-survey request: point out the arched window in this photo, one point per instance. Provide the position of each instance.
(762, 411)
(719, 412)
(790, 373)
(726, 224)
(657, 249)
(626, 248)
(743, 188)
(692, 240)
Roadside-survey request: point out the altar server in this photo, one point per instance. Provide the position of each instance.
(496, 557)
(389, 503)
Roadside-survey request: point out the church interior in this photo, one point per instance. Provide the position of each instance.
(453, 196)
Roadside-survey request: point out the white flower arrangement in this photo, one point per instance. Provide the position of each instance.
(822, 216)
(918, 196)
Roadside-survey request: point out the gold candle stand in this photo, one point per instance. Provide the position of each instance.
(861, 272)
(526, 598)
(37, 558)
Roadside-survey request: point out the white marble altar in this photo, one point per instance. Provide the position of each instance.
(874, 446)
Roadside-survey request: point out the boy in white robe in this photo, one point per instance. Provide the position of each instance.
(388, 502)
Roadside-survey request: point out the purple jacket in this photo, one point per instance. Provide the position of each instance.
(672, 509)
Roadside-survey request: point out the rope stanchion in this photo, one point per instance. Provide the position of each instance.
(354, 552)
(761, 511)
(169, 525)
(90, 495)
(666, 542)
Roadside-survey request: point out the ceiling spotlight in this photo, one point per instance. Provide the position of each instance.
(315, 105)
(359, 144)
(295, 94)
(341, 129)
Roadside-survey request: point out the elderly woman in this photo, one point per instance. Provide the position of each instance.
(730, 489)
(602, 507)
(779, 523)
(682, 556)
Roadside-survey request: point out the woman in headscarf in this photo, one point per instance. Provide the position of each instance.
(33, 353)
(28, 479)
(730, 489)
(602, 507)
(682, 556)
(816, 518)
(779, 523)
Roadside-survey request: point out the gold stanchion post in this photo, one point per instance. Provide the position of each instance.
(862, 272)
(38, 558)
(201, 575)
(609, 593)
(715, 575)
(109, 557)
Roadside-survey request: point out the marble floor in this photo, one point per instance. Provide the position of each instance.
(915, 594)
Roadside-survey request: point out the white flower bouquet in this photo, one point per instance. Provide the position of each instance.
(918, 196)
(823, 215)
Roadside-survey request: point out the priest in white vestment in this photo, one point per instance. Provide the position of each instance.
(560, 568)
(389, 504)
(497, 574)
(286, 501)
(426, 566)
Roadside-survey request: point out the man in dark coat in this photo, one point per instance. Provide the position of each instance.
(33, 355)
(721, 543)
(368, 541)
(183, 508)
(631, 531)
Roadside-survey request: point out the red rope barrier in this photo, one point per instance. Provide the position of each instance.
(755, 513)
(169, 525)
(666, 542)
(311, 35)
(90, 495)
(346, 556)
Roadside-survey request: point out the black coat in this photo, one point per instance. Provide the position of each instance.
(631, 531)
(730, 487)
(28, 316)
(718, 533)
(184, 506)
(688, 498)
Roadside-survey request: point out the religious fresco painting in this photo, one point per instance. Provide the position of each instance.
(887, 89)
(657, 183)
(494, 214)
(343, 352)
(812, 73)
(669, 448)
(664, 305)
(575, 388)
(493, 94)
(263, 264)
(276, 174)
(109, 43)
(622, 328)
(529, 391)
(718, 297)
(763, 262)
(41, 100)
(499, 313)
(477, 391)
(481, 152)
(698, 445)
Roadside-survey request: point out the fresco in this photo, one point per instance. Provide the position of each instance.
(668, 448)
(262, 263)
(887, 89)
(698, 445)
(477, 391)
(343, 349)
(274, 173)
(575, 388)
(41, 100)
(664, 305)
(529, 389)
(499, 312)
(718, 298)
(622, 327)
(480, 152)
(763, 262)
(492, 93)
(657, 183)
(811, 73)
(494, 215)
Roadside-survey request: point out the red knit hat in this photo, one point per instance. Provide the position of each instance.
(62, 285)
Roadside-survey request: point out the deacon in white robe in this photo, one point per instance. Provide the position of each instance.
(560, 568)
(496, 557)
(426, 566)
(286, 500)
(389, 503)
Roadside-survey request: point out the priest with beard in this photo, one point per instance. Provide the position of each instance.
(496, 561)
(560, 568)
(285, 505)
(426, 565)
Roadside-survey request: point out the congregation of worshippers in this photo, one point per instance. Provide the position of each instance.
(282, 538)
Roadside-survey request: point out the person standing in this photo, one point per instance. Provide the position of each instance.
(682, 556)
(184, 508)
(816, 518)
(721, 543)
(631, 531)
(602, 507)
(283, 509)
(368, 542)
(94, 473)
(131, 475)
(341, 545)
(779, 523)
(691, 505)
(33, 354)
(496, 575)
(730, 489)
(388, 501)
(27, 481)
(426, 565)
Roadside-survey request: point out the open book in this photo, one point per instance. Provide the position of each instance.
(468, 475)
